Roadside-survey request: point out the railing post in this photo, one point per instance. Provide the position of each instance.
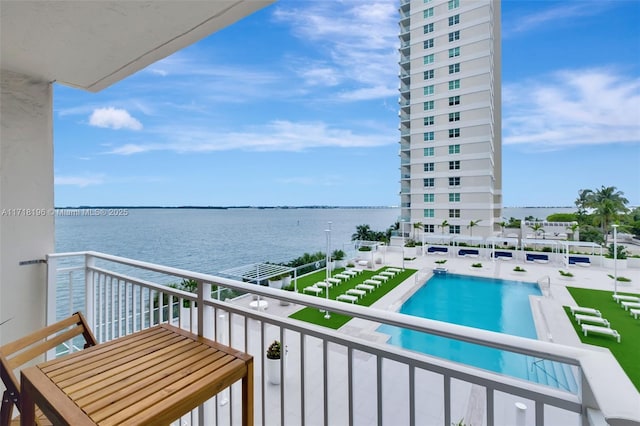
(52, 281)
(205, 313)
(89, 287)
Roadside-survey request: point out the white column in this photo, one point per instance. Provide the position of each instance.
(26, 192)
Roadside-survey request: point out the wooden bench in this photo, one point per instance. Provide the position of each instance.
(14, 355)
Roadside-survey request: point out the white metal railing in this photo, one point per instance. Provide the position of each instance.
(327, 377)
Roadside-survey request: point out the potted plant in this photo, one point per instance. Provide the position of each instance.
(519, 269)
(410, 248)
(338, 256)
(288, 287)
(476, 265)
(274, 353)
(275, 282)
(620, 260)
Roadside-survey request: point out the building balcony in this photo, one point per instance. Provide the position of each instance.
(326, 375)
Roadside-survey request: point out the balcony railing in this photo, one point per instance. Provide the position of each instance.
(327, 377)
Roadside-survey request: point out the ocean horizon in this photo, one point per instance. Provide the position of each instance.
(210, 240)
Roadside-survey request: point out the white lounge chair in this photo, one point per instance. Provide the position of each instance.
(350, 272)
(356, 292)
(596, 329)
(635, 313)
(396, 270)
(347, 298)
(627, 305)
(591, 319)
(380, 277)
(334, 280)
(358, 270)
(312, 289)
(388, 273)
(622, 298)
(373, 282)
(366, 287)
(581, 310)
(342, 276)
(322, 284)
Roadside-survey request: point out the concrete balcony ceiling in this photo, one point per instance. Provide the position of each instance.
(93, 44)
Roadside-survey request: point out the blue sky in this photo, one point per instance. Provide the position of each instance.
(297, 105)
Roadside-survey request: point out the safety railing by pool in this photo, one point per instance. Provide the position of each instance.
(326, 377)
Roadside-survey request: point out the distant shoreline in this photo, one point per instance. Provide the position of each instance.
(224, 207)
(275, 207)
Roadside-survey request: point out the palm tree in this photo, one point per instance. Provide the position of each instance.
(416, 226)
(582, 202)
(573, 228)
(443, 225)
(537, 227)
(502, 225)
(607, 203)
(471, 224)
(363, 232)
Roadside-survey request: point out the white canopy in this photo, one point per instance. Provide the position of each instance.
(467, 239)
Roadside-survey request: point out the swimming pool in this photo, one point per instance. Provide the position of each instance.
(490, 304)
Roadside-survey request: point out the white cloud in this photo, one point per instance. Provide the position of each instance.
(359, 41)
(275, 136)
(566, 13)
(572, 107)
(80, 181)
(114, 118)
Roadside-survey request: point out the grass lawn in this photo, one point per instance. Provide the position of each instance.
(626, 352)
(313, 315)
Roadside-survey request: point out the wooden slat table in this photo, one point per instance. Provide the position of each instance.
(150, 377)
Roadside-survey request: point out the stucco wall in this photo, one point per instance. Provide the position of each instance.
(26, 201)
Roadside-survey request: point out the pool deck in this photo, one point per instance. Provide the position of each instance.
(552, 324)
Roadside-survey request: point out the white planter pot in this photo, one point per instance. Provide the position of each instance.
(340, 264)
(633, 262)
(621, 263)
(410, 252)
(275, 283)
(273, 371)
(286, 281)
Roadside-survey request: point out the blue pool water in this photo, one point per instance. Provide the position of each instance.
(490, 304)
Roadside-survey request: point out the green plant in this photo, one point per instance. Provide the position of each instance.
(338, 255)
(547, 249)
(274, 350)
(350, 265)
(519, 269)
(460, 423)
(410, 243)
(365, 248)
(621, 279)
(565, 274)
(621, 252)
(477, 265)
(441, 262)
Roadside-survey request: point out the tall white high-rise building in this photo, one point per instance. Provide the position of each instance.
(450, 116)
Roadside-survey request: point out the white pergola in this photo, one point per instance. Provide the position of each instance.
(531, 241)
(436, 239)
(499, 240)
(467, 239)
(257, 272)
(567, 244)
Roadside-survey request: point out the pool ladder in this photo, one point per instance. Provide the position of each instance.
(540, 365)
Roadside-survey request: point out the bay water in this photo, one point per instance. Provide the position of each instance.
(212, 240)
